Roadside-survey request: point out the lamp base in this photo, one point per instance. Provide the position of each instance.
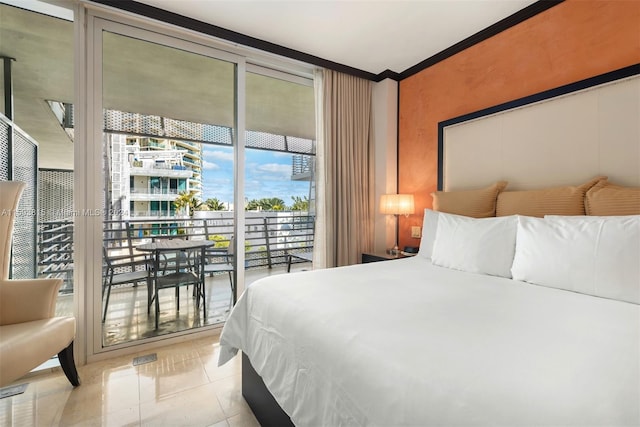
(394, 251)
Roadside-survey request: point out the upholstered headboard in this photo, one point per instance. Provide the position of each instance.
(564, 136)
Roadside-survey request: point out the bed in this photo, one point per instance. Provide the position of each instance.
(505, 320)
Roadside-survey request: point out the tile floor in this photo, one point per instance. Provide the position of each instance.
(184, 387)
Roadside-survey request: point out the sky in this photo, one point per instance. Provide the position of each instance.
(267, 174)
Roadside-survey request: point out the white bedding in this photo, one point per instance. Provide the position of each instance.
(408, 343)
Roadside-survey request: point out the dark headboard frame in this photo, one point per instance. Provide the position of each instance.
(551, 93)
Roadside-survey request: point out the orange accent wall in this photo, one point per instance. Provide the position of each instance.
(572, 41)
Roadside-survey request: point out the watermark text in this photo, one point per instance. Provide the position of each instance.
(63, 213)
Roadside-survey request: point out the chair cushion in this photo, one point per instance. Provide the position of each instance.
(24, 346)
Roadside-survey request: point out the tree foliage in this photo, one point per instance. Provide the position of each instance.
(223, 242)
(187, 202)
(266, 204)
(300, 203)
(215, 205)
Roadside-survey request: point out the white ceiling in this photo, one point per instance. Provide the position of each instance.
(369, 35)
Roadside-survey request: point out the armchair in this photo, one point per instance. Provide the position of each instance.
(30, 334)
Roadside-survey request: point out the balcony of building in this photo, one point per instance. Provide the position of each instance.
(302, 167)
(137, 168)
(189, 146)
(153, 194)
(270, 237)
(192, 162)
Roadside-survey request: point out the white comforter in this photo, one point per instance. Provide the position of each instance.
(408, 343)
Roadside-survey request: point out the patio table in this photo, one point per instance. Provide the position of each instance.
(188, 269)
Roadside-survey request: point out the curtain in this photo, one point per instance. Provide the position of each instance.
(344, 178)
(319, 241)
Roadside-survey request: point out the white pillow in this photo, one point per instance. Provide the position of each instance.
(476, 245)
(429, 227)
(588, 254)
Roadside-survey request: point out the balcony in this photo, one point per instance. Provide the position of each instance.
(269, 237)
(151, 214)
(190, 162)
(193, 146)
(302, 167)
(159, 170)
(192, 154)
(153, 194)
(155, 144)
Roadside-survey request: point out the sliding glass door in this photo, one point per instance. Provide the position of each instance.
(280, 173)
(190, 143)
(168, 121)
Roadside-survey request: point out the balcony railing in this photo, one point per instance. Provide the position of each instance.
(137, 164)
(151, 214)
(269, 237)
(55, 252)
(173, 191)
(155, 144)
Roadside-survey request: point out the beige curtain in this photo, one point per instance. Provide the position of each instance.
(344, 227)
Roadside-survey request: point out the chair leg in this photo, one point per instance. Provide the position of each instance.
(69, 365)
(149, 291)
(157, 306)
(203, 292)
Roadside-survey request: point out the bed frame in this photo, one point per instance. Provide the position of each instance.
(260, 399)
(614, 109)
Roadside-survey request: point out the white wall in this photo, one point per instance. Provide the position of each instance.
(385, 137)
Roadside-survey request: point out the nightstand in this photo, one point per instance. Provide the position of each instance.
(379, 256)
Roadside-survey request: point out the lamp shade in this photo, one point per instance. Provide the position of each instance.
(396, 204)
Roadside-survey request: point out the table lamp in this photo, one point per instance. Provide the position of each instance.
(396, 204)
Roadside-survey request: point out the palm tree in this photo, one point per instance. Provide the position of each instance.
(272, 204)
(252, 205)
(266, 204)
(300, 203)
(187, 202)
(215, 205)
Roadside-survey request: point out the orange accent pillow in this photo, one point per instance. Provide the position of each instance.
(567, 200)
(606, 199)
(480, 203)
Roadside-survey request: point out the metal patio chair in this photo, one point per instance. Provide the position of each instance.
(114, 274)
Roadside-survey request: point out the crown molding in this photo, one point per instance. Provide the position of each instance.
(235, 37)
(504, 24)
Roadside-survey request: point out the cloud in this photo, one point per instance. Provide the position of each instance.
(209, 165)
(219, 155)
(267, 174)
(275, 168)
(218, 182)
